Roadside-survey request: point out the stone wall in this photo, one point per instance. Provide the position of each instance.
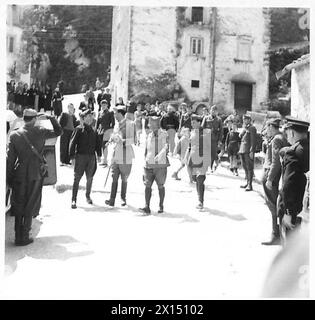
(152, 43)
(120, 55)
(300, 92)
(234, 24)
(194, 67)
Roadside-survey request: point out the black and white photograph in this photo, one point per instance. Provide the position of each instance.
(156, 150)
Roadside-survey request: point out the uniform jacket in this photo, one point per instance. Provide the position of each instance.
(199, 158)
(106, 122)
(272, 157)
(156, 144)
(22, 163)
(248, 139)
(123, 137)
(294, 166)
(84, 140)
(232, 142)
(64, 117)
(215, 124)
(170, 121)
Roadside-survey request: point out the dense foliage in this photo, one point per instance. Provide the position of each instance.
(69, 43)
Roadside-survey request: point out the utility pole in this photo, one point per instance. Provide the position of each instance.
(213, 27)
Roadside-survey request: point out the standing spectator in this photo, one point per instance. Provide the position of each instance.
(105, 125)
(19, 94)
(170, 123)
(120, 102)
(214, 123)
(232, 144)
(294, 166)
(100, 97)
(10, 92)
(41, 97)
(247, 150)
(57, 102)
(108, 97)
(198, 158)
(48, 98)
(68, 122)
(272, 174)
(90, 98)
(24, 173)
(156, 163)
(84, 143)
(185, 119)
(25, 94)
(121, 162)
(98, 83)
(31, 96)
(138, 123)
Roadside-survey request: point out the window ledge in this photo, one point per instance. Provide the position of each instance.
(243, 60)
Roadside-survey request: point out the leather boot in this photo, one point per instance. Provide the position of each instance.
(162, 196)
(18, 230)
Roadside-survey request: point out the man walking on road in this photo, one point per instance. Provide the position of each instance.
(24, 173)
(121, 162)
(247, 151)
(84, 144)
(272, 174)
(156, 163)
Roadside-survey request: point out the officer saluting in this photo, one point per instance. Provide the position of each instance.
(24, 174)
(294, 166)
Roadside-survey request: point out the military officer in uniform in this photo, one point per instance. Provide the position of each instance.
(84, 143)
(272, 174)
(23, 172)
(199, 156)
(214, 122)
(295, 164)
(156, 163)
(123, 155)
(247, 150)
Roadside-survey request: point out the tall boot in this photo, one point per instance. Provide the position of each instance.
(162, 196)
(123, 192)
(18, 227)
(275, 238)
(250, 181)
(25, 232)
(146, 210)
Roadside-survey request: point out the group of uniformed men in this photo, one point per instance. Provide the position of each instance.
(24, 165)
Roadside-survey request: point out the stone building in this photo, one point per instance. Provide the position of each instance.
(214, 55)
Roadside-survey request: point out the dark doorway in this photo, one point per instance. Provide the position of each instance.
(243, 97)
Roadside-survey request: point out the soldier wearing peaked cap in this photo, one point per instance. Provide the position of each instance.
(247, 150)
(24, 174)
(272, 173)
(156, 163)
(294, 166)
(84, 143)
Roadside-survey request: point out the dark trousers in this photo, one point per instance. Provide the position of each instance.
(214, 151)
(118, 170)
(25, 203)
(271, 196)
(64, 146)
(248, 165)
(200, 186)
(84, 163)
(57, 107)
(159, 176)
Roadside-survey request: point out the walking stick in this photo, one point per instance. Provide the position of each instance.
(107, 176)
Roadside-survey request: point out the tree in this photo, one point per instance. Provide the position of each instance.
(69, 43)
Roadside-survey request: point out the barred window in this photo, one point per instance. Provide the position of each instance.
(196, 46)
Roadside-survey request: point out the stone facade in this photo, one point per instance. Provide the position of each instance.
(192, 42)
(300, 92)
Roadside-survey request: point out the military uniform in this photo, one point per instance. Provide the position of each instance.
(84, 143)
(24, 175)
(272, 173)
(199, 158)
(156, 163)
(216, 127)
(248, 146)
(121, 162)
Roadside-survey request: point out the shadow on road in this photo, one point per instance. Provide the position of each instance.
(237, 217)
(53, 247)
(185, 217)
